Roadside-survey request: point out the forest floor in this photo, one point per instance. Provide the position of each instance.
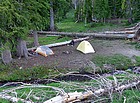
(67, 57)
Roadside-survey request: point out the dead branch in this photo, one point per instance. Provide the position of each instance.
(105, 86)
(13, 99)
(4, 94)
(34, 86)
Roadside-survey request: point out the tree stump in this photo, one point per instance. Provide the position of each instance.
(6, 56)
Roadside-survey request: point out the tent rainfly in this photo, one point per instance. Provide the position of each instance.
(85, 47)
(44, 50)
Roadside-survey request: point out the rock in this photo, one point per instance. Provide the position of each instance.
(66, 52)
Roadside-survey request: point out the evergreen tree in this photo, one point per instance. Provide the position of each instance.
(131, 10)
(115, 8)
(18, 17)
(101, 10)
(58, 10)
(84, 11)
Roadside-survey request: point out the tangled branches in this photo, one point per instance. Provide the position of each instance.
(102, 88)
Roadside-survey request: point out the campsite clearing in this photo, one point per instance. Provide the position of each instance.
(68, 57)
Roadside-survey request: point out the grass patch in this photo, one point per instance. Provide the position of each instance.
(132, 96)
(12, 74)
(135, 44)
(118, 60)
(71, 26)
(4, 101)
(138, 60)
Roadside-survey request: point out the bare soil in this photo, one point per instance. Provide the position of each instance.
(67, 57)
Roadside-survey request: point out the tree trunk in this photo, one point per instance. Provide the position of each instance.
(6, 56)
(75, 2)
(36, 43)
(130, 20)
(22, 49)
(51, 16)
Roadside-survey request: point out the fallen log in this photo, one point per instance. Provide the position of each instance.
(61, 43)
(64, 97)
(100, 35)
(120, 32)
(78, 96)
(134, 28)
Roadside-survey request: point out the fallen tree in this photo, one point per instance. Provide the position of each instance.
(62, 43)
(78, 96)
(106, 87)
(137, 26)
(99, 35)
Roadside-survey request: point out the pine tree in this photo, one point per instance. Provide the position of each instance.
(18, 17)
(101, 10)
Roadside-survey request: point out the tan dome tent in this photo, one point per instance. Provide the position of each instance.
(85, 47)
(44, 50)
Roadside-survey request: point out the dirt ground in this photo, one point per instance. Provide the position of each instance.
(68, 57)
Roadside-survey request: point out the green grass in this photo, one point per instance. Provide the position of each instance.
(117, 60)
(4, 101)
(44, 40)
(138, 60)
(69, 25)
(135, 44)
(132, 96)
(16, 74)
